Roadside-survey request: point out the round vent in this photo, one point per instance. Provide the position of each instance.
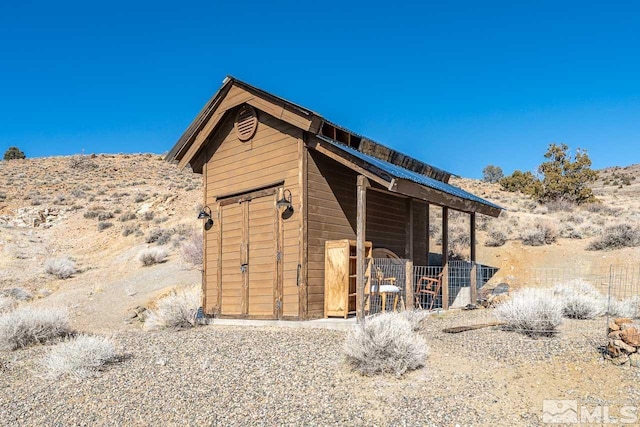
(246, 123)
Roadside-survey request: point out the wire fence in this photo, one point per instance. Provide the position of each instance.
(532, 301)
(390, 280)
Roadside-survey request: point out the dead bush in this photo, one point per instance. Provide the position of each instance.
(542, 233)
(25, 326)
(81, 356)
(191, 250)
(6, 304)
(176, 310)
(160, 236)
(385, 343)
(152, 256)
(497, 234)
(533, 312)
(617, 237)
(62, 268)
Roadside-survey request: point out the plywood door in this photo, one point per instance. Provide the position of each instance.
(262, 265)
(250, 261)
(232, 231)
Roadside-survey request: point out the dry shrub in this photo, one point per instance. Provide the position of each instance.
(415, 318)
(385, 343)
(176, 310)
(629, 307)
(542, 233)
(62, 268)
(191, 250)
(81, 356)
(127, 216)
(6, 304)
(152, 256)
(533, 312)
(26, 326)
(497, 234)
(159, 235)
(18, 294)
(617, 237)
(580, 300)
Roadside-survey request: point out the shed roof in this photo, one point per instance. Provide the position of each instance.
(391, 172)
(397, 171)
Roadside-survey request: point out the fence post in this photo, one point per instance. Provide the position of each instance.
(473, 284)
(445, 286)
(408, 287)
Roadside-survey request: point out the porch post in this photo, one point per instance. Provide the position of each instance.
(408, 249)
(361, 219)
(428, 220)
(473, 280)
(445, 257)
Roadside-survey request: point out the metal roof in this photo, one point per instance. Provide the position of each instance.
(402, 173)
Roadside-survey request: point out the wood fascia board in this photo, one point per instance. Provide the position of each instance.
(440, 198)
(278, 110)
(197, 123)
(318, 146)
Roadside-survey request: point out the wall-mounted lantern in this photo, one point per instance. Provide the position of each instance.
(285, 202)
(205, 213)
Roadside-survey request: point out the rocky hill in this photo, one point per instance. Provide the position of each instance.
(99, 212)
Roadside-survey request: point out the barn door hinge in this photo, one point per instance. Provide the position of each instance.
(278, 304)
(278, 256)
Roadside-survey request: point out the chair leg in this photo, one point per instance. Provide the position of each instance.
(395, 301)
(383, 295)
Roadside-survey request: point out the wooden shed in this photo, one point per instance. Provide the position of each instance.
(281, 181)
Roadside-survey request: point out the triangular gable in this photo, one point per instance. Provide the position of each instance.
(235, 92)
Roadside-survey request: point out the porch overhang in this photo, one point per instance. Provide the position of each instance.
(403, 181)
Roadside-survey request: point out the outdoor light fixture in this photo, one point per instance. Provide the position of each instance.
(285, 202)
(205, 213)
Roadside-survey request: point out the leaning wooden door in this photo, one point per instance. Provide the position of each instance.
(249, 258)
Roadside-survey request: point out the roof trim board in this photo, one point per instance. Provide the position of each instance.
(411, 183)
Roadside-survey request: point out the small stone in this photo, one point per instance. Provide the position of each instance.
(613, 351)
(634, 360)
(615, 335)
(631, 336)
(132, 315)
(621, 360)
(624, 346)
(622, 320)
(140, 309)
(613, 326)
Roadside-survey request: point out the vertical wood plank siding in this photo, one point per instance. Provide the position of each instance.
(234, 167)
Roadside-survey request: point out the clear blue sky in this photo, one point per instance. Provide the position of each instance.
(457, 84)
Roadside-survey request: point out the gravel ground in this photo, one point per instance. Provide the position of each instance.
(239, 376)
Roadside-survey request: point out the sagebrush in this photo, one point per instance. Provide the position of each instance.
(176, 310)
(25, 326)
(580, 300)
(385, 343)
(533, 312)
(81, 356)
(192, 250)
(152, 256)
(62, 268)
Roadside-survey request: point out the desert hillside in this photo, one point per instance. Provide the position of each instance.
(96, 213)
(100, 212)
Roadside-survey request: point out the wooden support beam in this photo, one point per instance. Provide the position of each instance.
(408, 249)
(445, 258)
(361, 220)
(473, 280)
(428, 221)
(408, 290)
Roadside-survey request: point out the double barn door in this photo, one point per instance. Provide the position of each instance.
(251, 258)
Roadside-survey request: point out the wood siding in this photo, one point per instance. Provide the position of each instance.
(234, 167)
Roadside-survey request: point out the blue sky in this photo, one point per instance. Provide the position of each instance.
(457, 84)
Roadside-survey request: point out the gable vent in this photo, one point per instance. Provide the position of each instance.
(246, 123)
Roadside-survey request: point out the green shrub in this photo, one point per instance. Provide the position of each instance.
(14, 153)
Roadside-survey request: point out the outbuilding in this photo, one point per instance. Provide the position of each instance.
(280, 181)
